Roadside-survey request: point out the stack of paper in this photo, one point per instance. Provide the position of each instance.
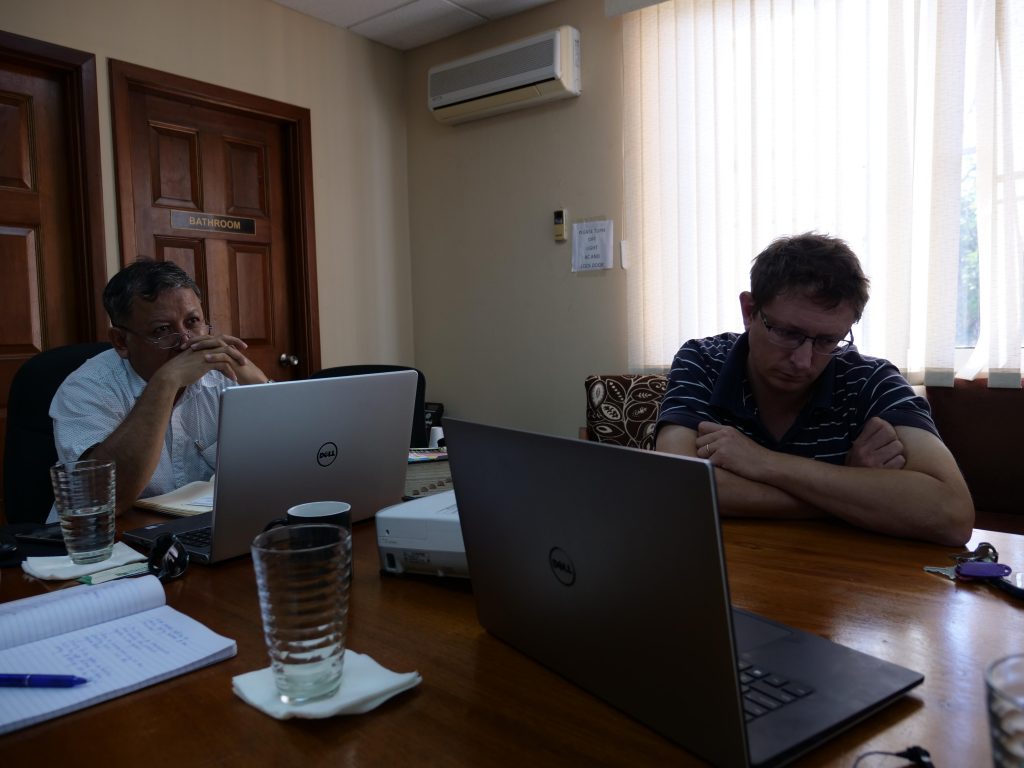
(428, 472)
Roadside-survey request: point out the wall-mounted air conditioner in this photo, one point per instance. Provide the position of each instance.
(521, 74)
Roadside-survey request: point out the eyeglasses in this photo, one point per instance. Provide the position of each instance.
(171, 339)
(820, 345)
(168, 558)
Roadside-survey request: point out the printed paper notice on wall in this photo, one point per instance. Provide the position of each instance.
(591, 245)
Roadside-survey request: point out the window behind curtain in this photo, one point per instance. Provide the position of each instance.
(750, 119)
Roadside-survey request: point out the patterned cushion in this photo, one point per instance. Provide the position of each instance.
(623, 408)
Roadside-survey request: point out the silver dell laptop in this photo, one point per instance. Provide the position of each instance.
(606, 565)
(282, 444)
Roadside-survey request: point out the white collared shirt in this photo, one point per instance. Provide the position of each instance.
(94, 400)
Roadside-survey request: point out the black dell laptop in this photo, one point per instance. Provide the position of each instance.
(606, 565)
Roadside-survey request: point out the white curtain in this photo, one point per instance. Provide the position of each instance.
(749, 119)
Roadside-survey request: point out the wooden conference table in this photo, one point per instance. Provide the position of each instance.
(481, 703)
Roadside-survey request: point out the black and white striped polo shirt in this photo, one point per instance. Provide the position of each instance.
(708, 382)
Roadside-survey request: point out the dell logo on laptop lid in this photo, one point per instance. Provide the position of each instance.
(326, 454)
(562, 566)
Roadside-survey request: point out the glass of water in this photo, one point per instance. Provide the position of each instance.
(1004, 684)
(84, 494)
(303, 574)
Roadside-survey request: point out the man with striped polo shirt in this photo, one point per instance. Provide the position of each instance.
(797, 422)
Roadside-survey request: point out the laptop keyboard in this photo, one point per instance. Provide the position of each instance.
(764, 692)
(199, 538)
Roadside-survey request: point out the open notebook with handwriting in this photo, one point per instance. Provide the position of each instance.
(120, 636)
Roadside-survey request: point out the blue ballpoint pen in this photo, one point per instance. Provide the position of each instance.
(40, 681)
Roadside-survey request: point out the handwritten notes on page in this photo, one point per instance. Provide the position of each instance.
(54, 613)
(134, 649)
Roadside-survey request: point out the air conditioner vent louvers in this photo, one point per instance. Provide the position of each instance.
(503, 65)
(521, 74)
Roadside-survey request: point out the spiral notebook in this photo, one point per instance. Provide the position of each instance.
(120, 636)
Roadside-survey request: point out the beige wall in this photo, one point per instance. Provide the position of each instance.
(426, 233)
(354, 90)
(505, 333)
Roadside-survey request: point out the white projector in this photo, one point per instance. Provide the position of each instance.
(422, 536)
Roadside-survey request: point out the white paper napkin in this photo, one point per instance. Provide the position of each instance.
(365, 685)
(60, 568)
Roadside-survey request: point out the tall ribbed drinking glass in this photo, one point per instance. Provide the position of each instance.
(303, 575)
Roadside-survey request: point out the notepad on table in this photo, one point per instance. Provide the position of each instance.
(120, 636)
(191, 499)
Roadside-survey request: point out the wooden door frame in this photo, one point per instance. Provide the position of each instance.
(76, 71)
(296, 148)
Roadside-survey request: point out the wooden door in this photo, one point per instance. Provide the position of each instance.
(52, 266)
(219, 182)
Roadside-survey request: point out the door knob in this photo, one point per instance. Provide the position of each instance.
(287, 360)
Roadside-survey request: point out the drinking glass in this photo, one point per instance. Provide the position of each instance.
(1004, 683)
(84, 494)
(303, 575)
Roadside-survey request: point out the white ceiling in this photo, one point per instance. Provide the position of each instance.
(406, 24)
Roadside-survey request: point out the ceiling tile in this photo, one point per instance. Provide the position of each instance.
(405, 24)
(342, 13)
(496, 9)
(417, 23)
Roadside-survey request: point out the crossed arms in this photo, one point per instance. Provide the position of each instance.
(897, 480)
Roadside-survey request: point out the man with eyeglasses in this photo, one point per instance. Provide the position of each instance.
(151, 403)
(797, 422)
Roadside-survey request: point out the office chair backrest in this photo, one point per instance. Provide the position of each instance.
(622, 409)
(419, 437)
(29, 450)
